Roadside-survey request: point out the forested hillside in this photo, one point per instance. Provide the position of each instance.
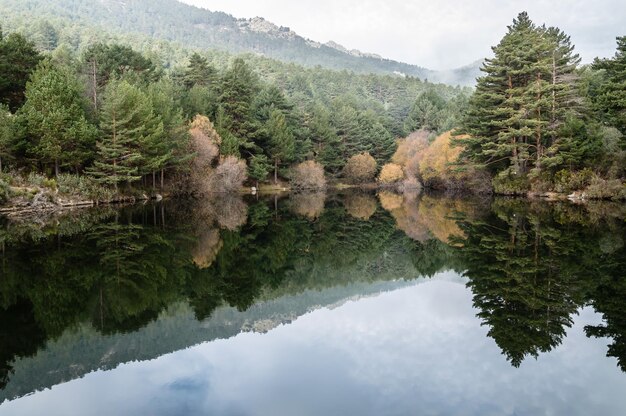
(171, 20)
(123, 117)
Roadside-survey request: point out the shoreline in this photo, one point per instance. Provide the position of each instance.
(19, 207)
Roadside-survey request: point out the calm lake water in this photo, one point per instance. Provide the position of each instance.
(313, 304)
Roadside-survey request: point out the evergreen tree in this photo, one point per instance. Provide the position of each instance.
(55, 118)
(327, 146)
(127, 121)
(7, 134)
(199, 72)
(259, 168)
(281, 140)
(426, 113)
(521, 100)
(238, 87)
(18, 58)
(610, 100)
(170, 148)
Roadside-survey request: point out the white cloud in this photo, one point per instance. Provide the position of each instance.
(438, 35)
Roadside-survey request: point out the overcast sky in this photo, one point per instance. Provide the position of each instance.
(437, 34)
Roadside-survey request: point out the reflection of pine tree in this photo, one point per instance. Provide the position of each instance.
(608, 297)
(136, 281)
(518, 285)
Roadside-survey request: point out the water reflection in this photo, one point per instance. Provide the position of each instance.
(101, 287)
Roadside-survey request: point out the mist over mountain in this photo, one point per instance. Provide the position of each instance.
(203, 29)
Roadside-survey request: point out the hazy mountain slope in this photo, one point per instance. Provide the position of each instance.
(195, 27)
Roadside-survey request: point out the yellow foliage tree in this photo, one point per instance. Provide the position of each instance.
(360, 168)
(438, 158)
(391, 173)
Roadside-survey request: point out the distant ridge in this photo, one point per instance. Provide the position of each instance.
(200, 28)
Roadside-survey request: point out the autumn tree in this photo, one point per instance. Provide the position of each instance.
(360, 168)
(308, 175)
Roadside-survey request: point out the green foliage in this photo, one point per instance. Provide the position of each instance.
(610, 98)
(259, 167)
(566, 181)
(18, 59)
(5, 191)
(7, 135)
(599, 188)
(55, 118)
(522, 100)
(510, 183)
(127, 121)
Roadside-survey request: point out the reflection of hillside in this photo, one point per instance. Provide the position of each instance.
(147, 280)
(83, 350)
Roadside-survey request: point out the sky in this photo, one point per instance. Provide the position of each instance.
(437, 34)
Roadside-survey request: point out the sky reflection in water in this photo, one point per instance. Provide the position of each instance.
(416, 350)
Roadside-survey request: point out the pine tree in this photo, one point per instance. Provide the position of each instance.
(259, 168)
(522, 99)
(611, 97)
(126, 121)
(18, 58)
(171, 147)
(281, 140)
(238, 87)
(55, 118)
(6, 134)
(199, 72)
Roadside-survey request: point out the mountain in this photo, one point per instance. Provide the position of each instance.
(203, 29)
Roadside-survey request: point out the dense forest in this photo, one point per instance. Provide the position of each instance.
(63, 112)
(86, 119)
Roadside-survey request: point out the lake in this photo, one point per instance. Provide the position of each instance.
(316, 304)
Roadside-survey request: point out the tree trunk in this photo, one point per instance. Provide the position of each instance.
(56, 167)
(162, 174)
(95, 86)
(0, 165)
(276, 171)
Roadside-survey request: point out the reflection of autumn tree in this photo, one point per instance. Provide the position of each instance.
(209, 244)
(421, 217)
(360, 205)
(308, 204)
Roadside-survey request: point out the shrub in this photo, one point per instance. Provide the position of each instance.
(412, 147)
(5, 191)
(391, 173)
(360, 168)
(506, 183)
(567, 181)
(83, 187)
(229, 176)
(308, 175)
(600, 188)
